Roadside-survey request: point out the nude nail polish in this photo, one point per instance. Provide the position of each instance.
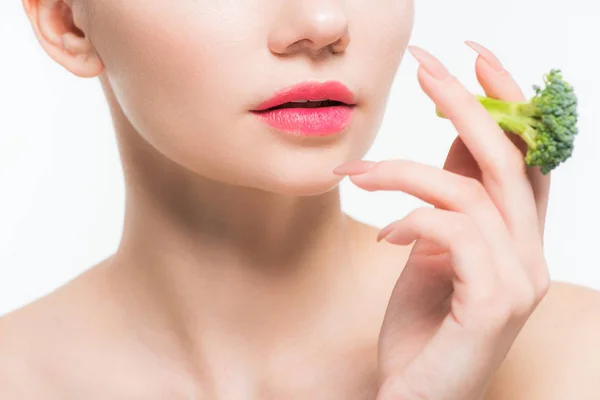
(431, 64)
(486, 54)
(385, 232)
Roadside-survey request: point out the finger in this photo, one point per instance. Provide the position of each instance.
(498, 83)
(486, 311)
(481, 134)
(471, 261)
(502, 164)
(449, 191)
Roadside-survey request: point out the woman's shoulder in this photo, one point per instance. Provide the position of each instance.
(71, 341)
(22, 335)
(556, 355)
(51, 342)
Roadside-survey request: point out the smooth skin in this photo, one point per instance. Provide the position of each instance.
(238, 276)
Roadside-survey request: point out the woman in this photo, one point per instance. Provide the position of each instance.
(238, 276)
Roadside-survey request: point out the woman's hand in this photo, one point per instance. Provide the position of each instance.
(477, 270)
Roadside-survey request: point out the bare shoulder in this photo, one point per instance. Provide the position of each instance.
(19, 332)
(556, 355)
(40, 340)
(72, 344)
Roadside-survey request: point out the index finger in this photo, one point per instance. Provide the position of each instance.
(494, 152)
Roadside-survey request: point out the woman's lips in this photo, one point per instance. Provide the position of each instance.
(321, 121)
(300, 117)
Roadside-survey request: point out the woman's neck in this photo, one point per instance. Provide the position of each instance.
(213, 263)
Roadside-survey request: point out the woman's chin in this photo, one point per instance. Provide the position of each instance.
(300, 184)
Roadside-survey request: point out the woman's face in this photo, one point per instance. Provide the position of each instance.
(187, 73)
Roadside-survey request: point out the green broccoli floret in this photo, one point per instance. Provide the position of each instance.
(547, 123)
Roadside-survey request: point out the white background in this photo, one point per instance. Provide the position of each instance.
(61, 184)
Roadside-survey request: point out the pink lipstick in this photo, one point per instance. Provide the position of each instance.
(309, 109)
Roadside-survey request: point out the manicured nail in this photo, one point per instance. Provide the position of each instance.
(385, 232)
(354, 167)
(431, 64)
(486, 54)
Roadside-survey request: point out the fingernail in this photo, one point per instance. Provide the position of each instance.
(385, 232)
(486, 54)
(431, 64)
(354, 167)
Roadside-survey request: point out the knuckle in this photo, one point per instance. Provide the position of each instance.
(503, 305)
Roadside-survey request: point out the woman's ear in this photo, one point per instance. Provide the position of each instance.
(55, 29)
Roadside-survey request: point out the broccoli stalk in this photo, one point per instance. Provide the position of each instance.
(547, 123)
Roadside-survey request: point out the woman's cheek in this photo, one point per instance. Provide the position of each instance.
(167, 76)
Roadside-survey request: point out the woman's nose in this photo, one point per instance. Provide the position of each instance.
(315, 26)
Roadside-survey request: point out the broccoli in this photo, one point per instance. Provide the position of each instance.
(547, 123)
